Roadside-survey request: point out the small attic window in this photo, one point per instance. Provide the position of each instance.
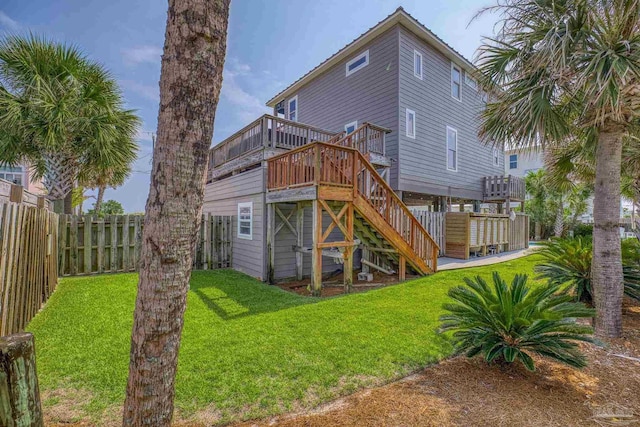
(357, 63)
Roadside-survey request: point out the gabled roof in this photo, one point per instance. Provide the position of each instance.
(400, 16)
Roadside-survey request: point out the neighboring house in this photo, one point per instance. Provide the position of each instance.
(520, 162)
(414, 102)
(22, 175)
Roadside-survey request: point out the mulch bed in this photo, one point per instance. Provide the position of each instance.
(464, 392)
(333, 284)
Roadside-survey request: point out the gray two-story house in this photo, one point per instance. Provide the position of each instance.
(389, 121)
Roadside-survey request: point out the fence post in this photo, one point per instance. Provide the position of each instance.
(19, 394)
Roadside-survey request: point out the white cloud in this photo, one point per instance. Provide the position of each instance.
(149, 92)
(141, 54)
(7, 23)
(249, 107)
(144, 135)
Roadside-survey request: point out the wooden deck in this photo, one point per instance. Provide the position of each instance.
(501, 188)
(337, 178)
(269, 136)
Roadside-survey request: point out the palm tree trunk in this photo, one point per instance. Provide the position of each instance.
(558, 227)
(68, 203)
(190, 81)
(606, 268)
(98, 206)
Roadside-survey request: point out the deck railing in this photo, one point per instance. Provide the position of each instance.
(503, 187)
(339, 165)
(266, 131)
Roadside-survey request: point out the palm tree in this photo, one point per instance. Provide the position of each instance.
(190, 82)
(60, 112)
(563, 69)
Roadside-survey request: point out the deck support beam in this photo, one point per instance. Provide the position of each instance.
(300, 239)
(348, 251)
(316, 254)
(402, 269)
(271, 241)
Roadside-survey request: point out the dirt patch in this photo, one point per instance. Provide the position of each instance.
(333, 283)
(462, 392)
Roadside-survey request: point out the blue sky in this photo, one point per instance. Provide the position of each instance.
(270, 44)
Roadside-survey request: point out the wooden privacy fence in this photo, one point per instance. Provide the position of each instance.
(434, 223)
(28, 263)
(519, 232)
(112, 244)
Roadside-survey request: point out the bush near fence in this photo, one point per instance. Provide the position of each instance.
(89, 244)
(28, 263)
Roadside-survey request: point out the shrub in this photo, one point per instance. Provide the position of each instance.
(583, 230)
(509, 322)
(568, 261)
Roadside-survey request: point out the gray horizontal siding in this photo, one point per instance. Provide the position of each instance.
(423, 159)
(369, 95)
(222, 198)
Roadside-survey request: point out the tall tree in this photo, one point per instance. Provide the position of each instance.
(59, 111)
(190, 82)
(566, 67)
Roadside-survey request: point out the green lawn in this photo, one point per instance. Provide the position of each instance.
(252, 349)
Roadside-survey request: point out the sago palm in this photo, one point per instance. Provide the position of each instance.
(561, 69)
(511, 322)
(61, 112)
(568, 262)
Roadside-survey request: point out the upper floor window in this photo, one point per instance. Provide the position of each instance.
(452, 149)
(351, 127)
(496, 157)
(245, 220)
(417, 64)
(357, 63)
(470, 81)
(411, 123)
(513, 161)
(14, 174)
(456, 88)
(292, 112)
(484, 97)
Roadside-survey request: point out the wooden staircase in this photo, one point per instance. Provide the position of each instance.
(339, 171)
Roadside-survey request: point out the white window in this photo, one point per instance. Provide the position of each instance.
(411, 123)
(245, 220)
(456, 88)
(417, 64)
(484, 97)
(470, 81)
(358, 63)
(452, 149)
(351, 127)
(292, 113)
(14, 174)
(496, 157)
(513, 161)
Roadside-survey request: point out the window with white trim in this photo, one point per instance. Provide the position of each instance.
(351, 127)
(470, 81)
(484, 97)
(456, 88)
(452, 149)
(496, 157)
(410, 123)
(292, 109)
(417, 64)
(245, 220)
(513, 161)
(357, 63)
(14, 174)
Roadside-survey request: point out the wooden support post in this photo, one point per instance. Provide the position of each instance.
(316, 253)
(348, 251)
(402, 269)
(300, 239)
(19, 394)
(16, 195)
(365, 256)
(271, 242)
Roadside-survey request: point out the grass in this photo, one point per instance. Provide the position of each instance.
(252, 349)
